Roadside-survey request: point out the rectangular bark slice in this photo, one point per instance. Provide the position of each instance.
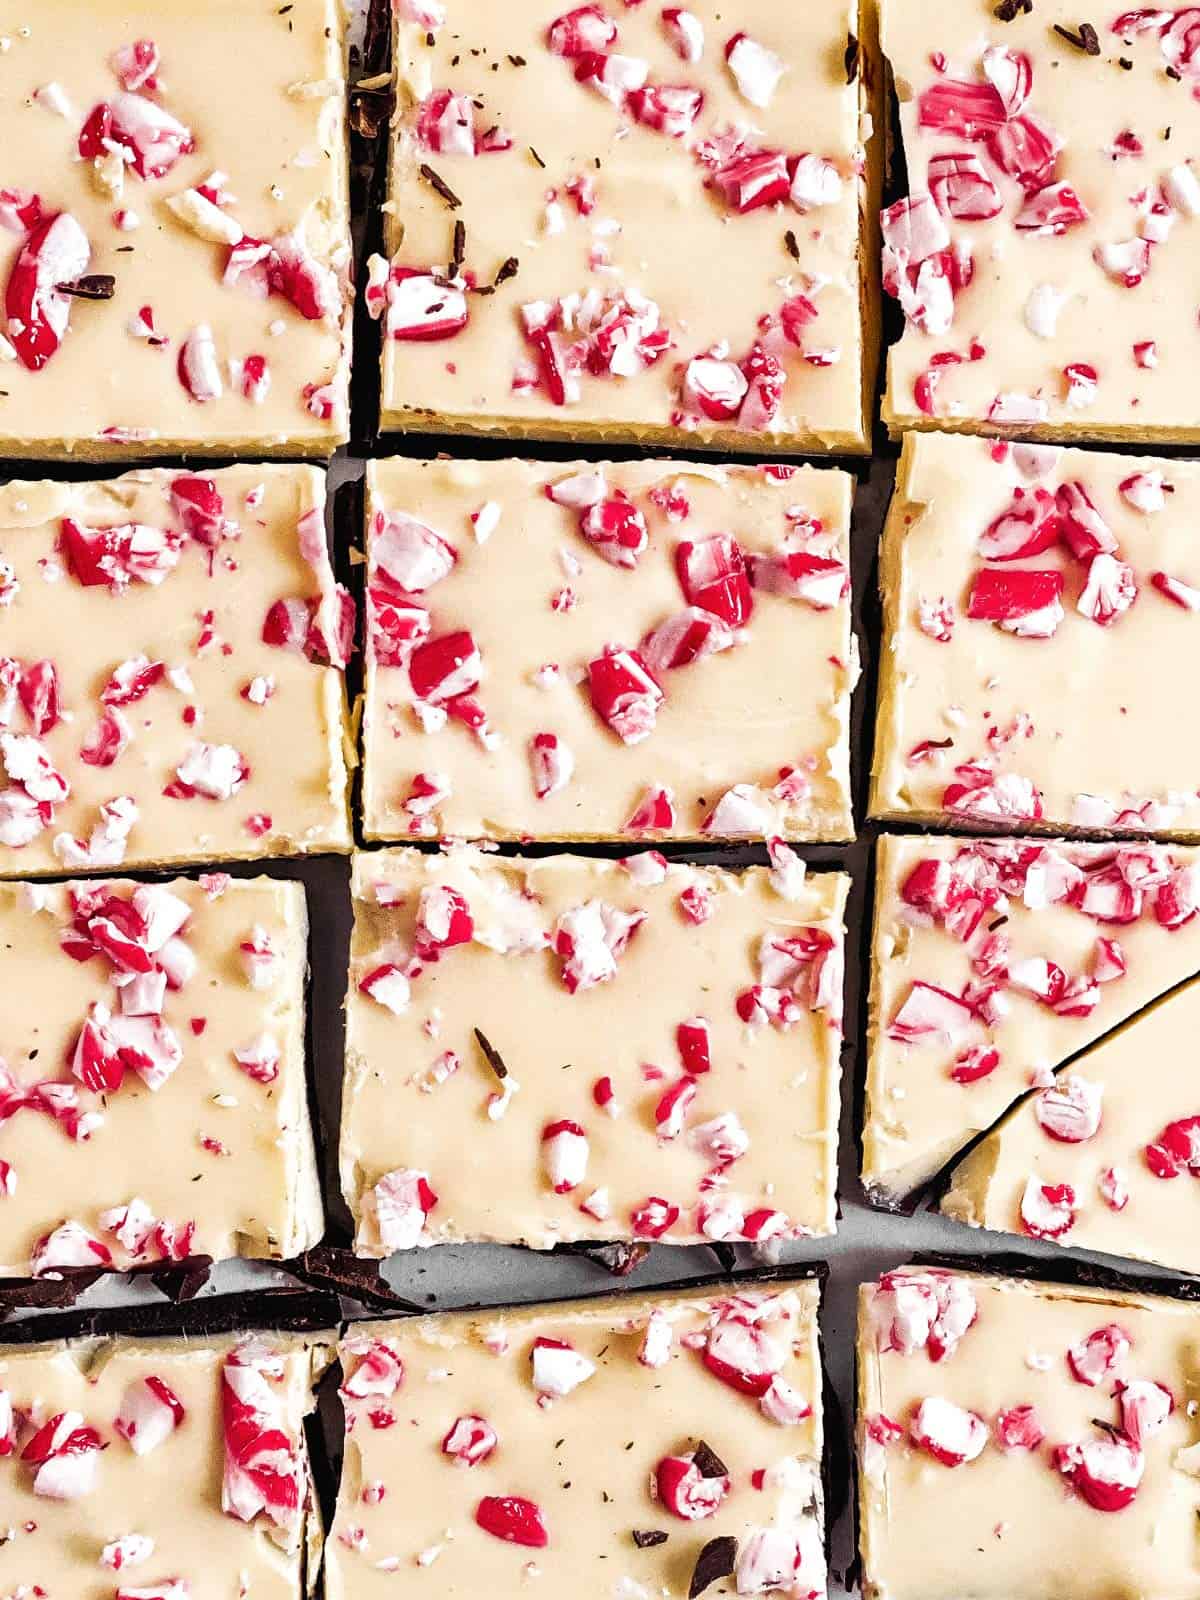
(1025, 1441)
(1090, 1160)
(569, 1443)
(568, 185)
(993, 963)
(498, 594)
(193, 199)
(1038, 604)
(165, 1469)
(627, 1050)
(171, 687)
(164, 1018)
(1043, 257)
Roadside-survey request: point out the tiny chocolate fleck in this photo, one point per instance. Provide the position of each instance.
(460, 247)
(716, 1560)
(1085, 38)
(439, 185)
(1010, 10)
(124, 249)
(708, 1462)
(491, 1055)
(536, 157)
(508, 269)
(1125, 64)
(517, 61)
(95, 286)
(997, 922)
(1174, 72)
(793, 249)
(647, 1538)
(1107, 1427)
(283, 10)
(850, 58)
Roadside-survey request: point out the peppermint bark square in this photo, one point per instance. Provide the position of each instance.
(164, 1017)
(568, 186)
(597, 651)
(1089, 1160)
(1025, 1441)
(652, 1444)
(995, 962)
(164, 1469)
(1040, 614)
(642, 1051)
(171, 679)
(174, 230)
(1043, 259)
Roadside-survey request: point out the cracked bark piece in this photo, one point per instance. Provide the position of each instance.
(174, 230)
(153, 1017)
(607, 650)
(515, 1454)
(993, 963)
(170, 683)
(1042, 258)
(566, 186)
(638, 1051)
(1040, 611)
(1025, 1441)
(165, 1469)
(1118, 1128)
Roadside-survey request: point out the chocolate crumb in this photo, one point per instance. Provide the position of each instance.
(851, 57)
(793, 249)
(1174, 72)
(708, 1462)
(439, 185)
(1085, 38)
(647, 1538)
(94, 286)
(508, 269)
(1010, 10)
(716, 1560)
(517, 61)
(1125, 64)
(490, 1054)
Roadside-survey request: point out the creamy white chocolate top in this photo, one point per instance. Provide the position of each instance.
(152, 1090)
(663, 223)
(1044, 256)
(993, 962)
(198, 161)
(170, 684)
(664, 1050)
(1040, 619)
(158, 1469)
(585, 651)
(1027, 1439)
(597, 1449)
(1090, 1160)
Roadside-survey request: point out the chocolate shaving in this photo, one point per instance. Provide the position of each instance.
(708, 1462)
(1108, 1428)
(517, 61)
(95, 286)
(1010, 10)
(439, 186)
(369, 110)
(536, 157)
(715, 1561)
(460, 247)
(851, 57)
(790, 245)
(647, 1538)
(508, 269)
(490, 1054)
(1085, 39)
(996, 922)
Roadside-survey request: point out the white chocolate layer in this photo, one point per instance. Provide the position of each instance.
(652, 230)
(745, 1149)
(540, 601)
(257, 728)
(587, 1459)
(1077, 724)
(232, 1170)
(260, 94)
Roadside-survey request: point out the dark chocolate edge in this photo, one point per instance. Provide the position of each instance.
(271, 1310)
